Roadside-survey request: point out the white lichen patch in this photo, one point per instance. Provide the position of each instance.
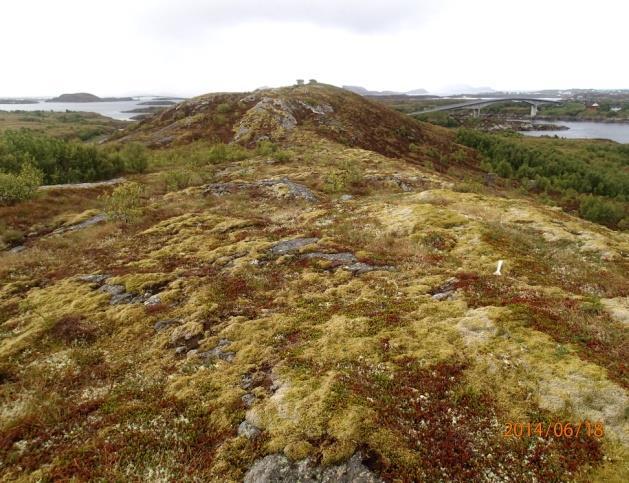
(13, 409)
(525, 360)
(618, 308)
(477, 326)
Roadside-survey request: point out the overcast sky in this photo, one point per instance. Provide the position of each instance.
(189, 47)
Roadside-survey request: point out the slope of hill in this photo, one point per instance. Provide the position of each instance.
(319, 300)
(274, 114)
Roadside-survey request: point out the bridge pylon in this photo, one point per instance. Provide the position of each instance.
(533, 110)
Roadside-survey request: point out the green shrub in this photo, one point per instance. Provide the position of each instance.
(227, 152)
(20, 187)
(135, 157)
(504, 169)
(224, 108)
(11, 236)
(219, 119)
(347, 177)
(601, 211)
(267, 148)
(125, 203)
(59, 160)
(283, 156)
(179, 179)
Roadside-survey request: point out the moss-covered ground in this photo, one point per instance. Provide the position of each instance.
(419, 363)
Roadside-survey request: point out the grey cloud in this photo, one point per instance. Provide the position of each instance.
(190, 17)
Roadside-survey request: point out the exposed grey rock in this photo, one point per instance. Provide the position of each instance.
(226, 356)
(249, 98)
(80, 226)
(406, 183)
(153, 300)
(93, 278)
(295, 190)
(335, 258)
(445, 290)
(443, 295)
(247, 381)
(117, 292)
(277, 112)
(112, 289)
(181, 350)
(346, 197)
(66, 186)
(163, 141)
(319, 109)
(218, 352)
(187, 336)
(220, 189)
(248, 430)
(122, 298)
(347, 261)
(275, 385)
(287, 246)
(248, 399)
(165, 323)
(277, 468)
(17, 249)
(359, 268)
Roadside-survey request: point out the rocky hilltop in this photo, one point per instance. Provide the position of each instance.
(310, 287)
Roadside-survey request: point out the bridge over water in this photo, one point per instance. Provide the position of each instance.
(477, 104)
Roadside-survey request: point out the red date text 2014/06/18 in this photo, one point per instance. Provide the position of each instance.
(559, 429)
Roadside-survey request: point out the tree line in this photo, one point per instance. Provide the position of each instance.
(594, 179)
(27, 156)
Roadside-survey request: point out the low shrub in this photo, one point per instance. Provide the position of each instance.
(267, 148)
(135, 157)
(348, 177)
(10, 236)
(224, 108)
(20, 187)
(125, 203)
(73, 329)
(599, 210)
(227, 152)
(59, 161)
(179, 179)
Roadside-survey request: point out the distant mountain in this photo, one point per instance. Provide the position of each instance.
(86, 97)
(456, 89)
(366, 92)
(417, 92)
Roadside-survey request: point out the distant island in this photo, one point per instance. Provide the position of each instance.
(19, 101)
(157, 103)
(86, 97)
